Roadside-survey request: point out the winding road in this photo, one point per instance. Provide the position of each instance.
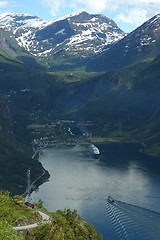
(45, 218)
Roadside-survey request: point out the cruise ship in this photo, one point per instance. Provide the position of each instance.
(94, 150)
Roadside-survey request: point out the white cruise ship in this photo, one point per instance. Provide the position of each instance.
(94, 150)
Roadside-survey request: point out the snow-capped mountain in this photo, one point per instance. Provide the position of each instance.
(140, 46)
(81, 33)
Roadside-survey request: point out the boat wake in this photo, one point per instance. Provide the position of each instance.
(132, 222)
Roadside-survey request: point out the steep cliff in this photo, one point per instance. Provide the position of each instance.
(15, 156)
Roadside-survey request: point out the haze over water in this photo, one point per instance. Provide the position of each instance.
(78, 181)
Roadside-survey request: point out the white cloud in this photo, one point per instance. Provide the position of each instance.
(134, 16)
(132, 12)
(138, 12)
(92, 5)
(53, 5)
(3, 4)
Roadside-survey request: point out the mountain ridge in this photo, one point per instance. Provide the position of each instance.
(81, 33)
(121, 102)
(139, 46)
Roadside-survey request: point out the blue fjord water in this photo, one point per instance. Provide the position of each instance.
(78, 181)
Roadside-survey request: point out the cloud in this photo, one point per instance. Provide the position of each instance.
(92, 5)
(134, 16)
(53, 5)
(132, 12)
(137, 12)
(3, 4)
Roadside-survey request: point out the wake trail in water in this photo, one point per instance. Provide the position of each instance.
(129, 222)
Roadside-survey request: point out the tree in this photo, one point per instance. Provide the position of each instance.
(40, 203)
(7, 232)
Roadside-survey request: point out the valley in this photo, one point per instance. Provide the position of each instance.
(72, 81)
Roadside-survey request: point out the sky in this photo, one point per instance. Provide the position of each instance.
(128, 14)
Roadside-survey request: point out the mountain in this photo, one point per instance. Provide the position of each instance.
(134, 50)
(10, 51)
(77, 36)
(120, 104)
(74, 40)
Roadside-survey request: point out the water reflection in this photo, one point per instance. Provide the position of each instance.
(80, 182)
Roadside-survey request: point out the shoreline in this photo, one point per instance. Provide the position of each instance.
(84, 142)
(33, 184)
(104, 140)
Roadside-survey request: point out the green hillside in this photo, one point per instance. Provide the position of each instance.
(123, 105)
(15, 154)
(10, 51)
(63, 224)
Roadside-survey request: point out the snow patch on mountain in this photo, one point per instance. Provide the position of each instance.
(80, 33)
(62, 31)
(14, 21)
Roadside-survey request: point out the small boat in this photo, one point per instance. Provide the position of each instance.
(110, 200)
(94, 151)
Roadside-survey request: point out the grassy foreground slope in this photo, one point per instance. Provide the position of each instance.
(65, 224)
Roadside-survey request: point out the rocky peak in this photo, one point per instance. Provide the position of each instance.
(141, 45)
(78, 34)
(11, 20)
